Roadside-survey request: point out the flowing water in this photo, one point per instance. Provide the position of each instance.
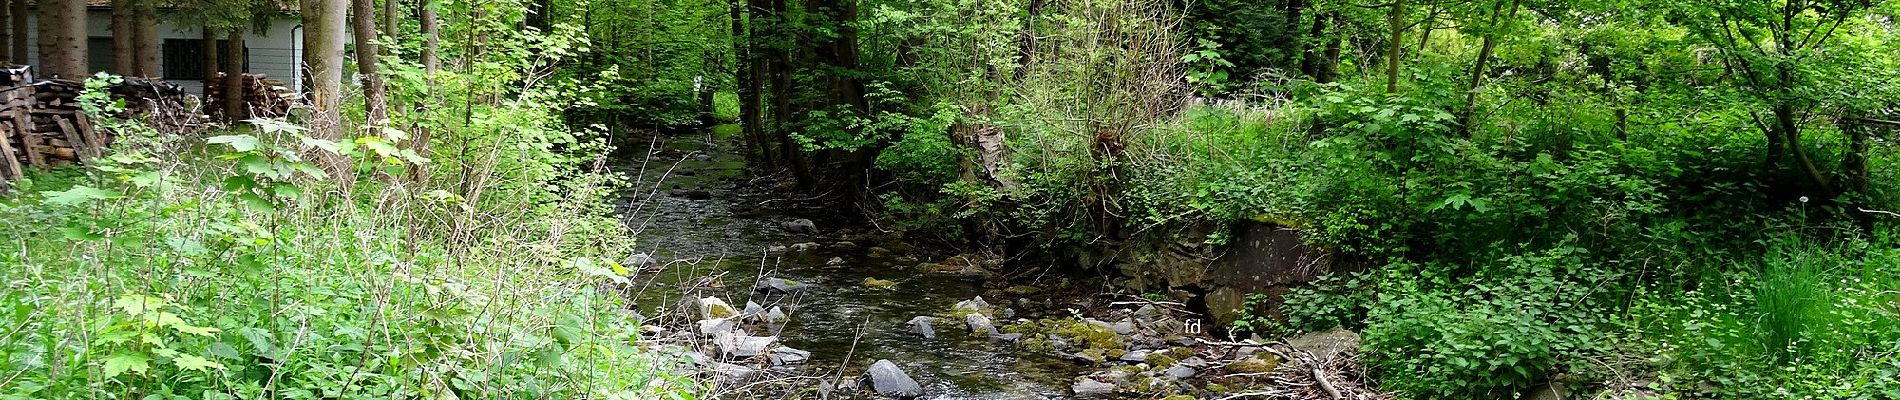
(692, 213)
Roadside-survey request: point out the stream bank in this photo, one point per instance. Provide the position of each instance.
(775, 297)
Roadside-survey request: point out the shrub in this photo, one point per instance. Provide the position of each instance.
(1511, 326)
(237, 270)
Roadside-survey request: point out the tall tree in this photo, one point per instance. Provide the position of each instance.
(1499, 19)
(234, 64)
(62, 26)
(1396, 22)
(6, 34)
(391, 19)
(208, 53)
(146, 46)
(323, 63)
(375, 98)
(1773, 48)
(746, 47)
(20, 30)
(124, 55)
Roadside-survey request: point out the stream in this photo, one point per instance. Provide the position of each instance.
(713, 232)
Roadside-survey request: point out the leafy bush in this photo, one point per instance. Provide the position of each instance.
(1506, 328)
(238, 270)
(1337, 300)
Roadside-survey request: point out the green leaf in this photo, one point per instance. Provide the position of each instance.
(196, 363)
(286, 190)
(241, 143)
(256, 165)
(272, 125)
(256, 202)
(79, 195)
(587, 266)
(121, 362)
(80, 233)
(261, 343)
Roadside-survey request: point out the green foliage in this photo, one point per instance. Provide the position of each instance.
(1333, 301)
(924, 151)
(231, 268)
(1505, 328)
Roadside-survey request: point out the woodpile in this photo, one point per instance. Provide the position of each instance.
(263, 97)
(42, 123)
(161, 105)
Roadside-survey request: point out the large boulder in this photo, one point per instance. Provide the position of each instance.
(1326, 344)
(800, 225)
(921, 326)
(730, 373)
(714, 308)
(788, 356)
(740, 345)
(975, 305)
(980, 324)
(780, 285)
(888, 380)
(716, 326)
(1090, 387)
(1179, 372)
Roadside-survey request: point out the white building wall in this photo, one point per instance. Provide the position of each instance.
(274, 52)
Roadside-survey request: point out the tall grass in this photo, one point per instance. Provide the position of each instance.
(177, 270)
(1791, 296)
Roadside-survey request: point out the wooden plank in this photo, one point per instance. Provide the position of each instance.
(9, 164)
(23, 124)
(93, 138)
(82, 148)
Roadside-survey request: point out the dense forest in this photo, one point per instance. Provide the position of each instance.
(1481, 199)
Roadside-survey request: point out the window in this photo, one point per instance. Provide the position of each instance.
(99, 54)
(184, 59)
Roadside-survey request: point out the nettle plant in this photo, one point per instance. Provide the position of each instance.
(267, 173)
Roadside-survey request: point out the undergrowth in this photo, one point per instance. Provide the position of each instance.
(231, 268)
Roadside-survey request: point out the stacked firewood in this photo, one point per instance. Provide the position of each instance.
(162, 105)
(43, 122)
(14, 100)
(66, 134)
(263, 97)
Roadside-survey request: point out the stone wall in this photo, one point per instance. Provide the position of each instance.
(1261, 258)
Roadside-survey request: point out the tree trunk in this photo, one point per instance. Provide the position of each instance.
(747, 48)
(781, 69)
(234, 107)
(1785, 121)
(124, 36)
(391, 23)
(21, 52)
(1026, 54)
(1479, 67)
(323, 63)
(1329, 68)
(208, 48)
(1397, 21)
(62, 26)
(539, 15)
(1425, 31)
(6, 34)
(146, 45)
(1311, 58)
(431, 39)
(1854, 163)
(375, 99)
(1622, 124)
